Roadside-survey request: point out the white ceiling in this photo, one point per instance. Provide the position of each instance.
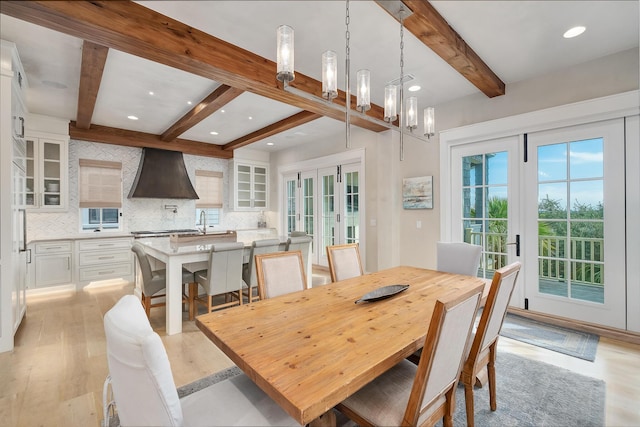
(517, 39)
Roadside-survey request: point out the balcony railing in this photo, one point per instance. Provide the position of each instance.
(581, 258)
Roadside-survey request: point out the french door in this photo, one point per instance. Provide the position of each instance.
(300, 193)
(339, 188)
(485, 213)
(555, 201)
(575, 209)
(325, 203)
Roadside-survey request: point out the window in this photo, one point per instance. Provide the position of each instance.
(100, 194)
(209, 186)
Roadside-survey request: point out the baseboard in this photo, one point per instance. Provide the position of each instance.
(603, 331)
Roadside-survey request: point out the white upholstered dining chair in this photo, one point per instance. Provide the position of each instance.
(484, 344)
(458, 257)
(344, 261)
(411, 395)
(280, 273)
(143, 387)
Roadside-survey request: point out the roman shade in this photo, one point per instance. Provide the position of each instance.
(100, 184)
(209, 189)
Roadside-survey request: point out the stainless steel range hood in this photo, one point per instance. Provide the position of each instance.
(162, 175)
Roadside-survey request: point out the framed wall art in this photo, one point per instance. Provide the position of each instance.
(417, 193)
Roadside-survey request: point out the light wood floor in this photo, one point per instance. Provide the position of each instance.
(55, 374)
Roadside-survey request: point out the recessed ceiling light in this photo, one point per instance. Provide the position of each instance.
(189, 102)
(222, 111)
(269, 143)
(132, 118)
(250, 118)
(213, 132)
(151, 93)
(573, 32)
(414, 88)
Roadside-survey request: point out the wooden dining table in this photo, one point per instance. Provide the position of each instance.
(310, 350)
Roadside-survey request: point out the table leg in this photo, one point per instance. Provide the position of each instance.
(193, 290)
(328, 419)
(174, 296)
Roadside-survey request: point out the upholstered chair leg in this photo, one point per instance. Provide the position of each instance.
(147, 305)
(468, 398)
(492, 376)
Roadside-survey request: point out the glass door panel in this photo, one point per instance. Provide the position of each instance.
(579, 223)
(485, 207)
(350, 177)
(328, 211)
(291, 202)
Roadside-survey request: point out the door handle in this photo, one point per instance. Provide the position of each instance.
(517, 243)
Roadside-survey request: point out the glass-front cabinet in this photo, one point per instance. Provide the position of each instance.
(251, 186)
(46, 160)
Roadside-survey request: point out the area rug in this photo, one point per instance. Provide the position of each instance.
(563, 340)
(529, 393)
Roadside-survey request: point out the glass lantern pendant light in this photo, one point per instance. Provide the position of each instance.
(285, 54)
(412, 113)
(329, 75)
(363, 94)
(429, 122)
(390, 103)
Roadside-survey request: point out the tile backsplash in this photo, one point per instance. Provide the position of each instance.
(138, 214)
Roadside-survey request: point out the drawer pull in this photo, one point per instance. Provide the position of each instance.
(106, 257)
(53, 247)
(107, 272)
(105, 244)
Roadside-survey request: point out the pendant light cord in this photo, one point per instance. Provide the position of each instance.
(401, 112)
(346, 82)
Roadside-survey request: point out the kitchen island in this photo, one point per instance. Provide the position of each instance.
(194, 257)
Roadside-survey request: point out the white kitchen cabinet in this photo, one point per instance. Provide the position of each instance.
(250, 186)
(52, 263)
(47, 172)
(12, 183)
(104, 258)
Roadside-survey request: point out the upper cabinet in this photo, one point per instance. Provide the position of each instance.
(47, 173)
(250, 189)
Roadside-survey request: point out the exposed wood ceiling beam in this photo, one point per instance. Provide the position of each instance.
(212, 103)
(134, 29)
(433, 30)
(130, 138)
(94, 56)
(274, 128)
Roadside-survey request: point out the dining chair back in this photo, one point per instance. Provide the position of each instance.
(280, 273)
(249, 276)
(458, 257)
(302, 244)
(153, 282)
(411, 395)
(344, 261)
(141, 379)
(223, 276)
(145, 393)
(482, 352)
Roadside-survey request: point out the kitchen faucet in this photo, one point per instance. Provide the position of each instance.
(203, 221)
